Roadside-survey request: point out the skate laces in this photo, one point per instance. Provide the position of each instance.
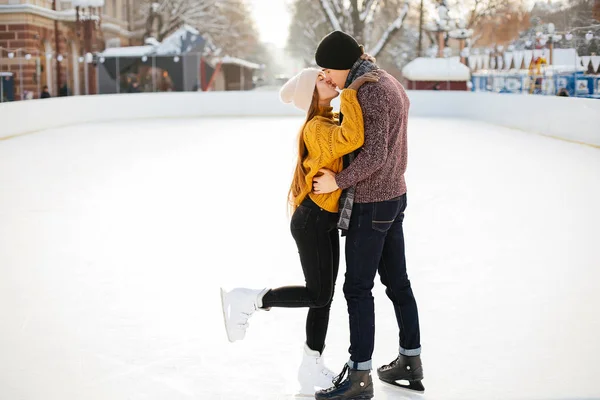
(338, 379)
(244, 319)
(391, 365)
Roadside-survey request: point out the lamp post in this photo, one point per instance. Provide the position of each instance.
(88, 19)
(447, 27)
(462, 34)
(440, 26)
(551, 29)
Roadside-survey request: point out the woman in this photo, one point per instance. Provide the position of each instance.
(321, 144)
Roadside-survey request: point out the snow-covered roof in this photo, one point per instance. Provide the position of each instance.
(6, 73)
(183, 40)
(129, 51)
(436, 69)
(239, 61)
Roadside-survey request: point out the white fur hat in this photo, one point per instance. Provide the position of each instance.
(299, 89)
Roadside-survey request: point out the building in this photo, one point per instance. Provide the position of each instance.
(183, 61)
(436, 74)
(44, 42)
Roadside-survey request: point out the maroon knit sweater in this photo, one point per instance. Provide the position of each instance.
(378, 170)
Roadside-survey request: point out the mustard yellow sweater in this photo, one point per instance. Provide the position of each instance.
(327, 141)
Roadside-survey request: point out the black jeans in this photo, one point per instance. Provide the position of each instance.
(375, 242)
(316, 236)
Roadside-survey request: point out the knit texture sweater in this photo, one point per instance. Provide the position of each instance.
(327, 142)
(378, 170)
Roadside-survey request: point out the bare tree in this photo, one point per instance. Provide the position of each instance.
(164, 16)
(576, 17)
(485, 17)
(373, 23)
(309, 24)
(227, 23)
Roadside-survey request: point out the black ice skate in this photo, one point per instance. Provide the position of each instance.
(405, 372)
(358, 385)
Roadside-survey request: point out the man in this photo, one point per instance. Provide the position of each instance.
(371, 214)
(45, 93)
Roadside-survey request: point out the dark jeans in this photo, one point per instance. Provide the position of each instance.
(375, 243)
(316, 236)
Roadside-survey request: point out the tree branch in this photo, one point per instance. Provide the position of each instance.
(387, 34)
(333, 19)
(368, 10)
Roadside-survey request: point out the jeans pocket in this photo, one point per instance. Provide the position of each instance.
(384, 215)
(300, 218)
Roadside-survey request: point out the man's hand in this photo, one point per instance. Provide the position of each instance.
(324, 183)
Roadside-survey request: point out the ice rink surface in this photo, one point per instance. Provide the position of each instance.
(115, 239)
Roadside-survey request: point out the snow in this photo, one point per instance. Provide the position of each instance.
(129, 51)
(115, 237)
(436, 69)
(171, 45)
(240, 62)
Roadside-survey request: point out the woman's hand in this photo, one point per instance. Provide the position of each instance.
(368, 57)
(361, 80)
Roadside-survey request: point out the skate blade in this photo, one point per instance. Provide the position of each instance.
(412, 387)
(224, 310)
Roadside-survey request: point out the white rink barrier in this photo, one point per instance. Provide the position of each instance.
(573, 119)
(566, 118)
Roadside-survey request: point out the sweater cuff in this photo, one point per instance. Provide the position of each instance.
(341, 182)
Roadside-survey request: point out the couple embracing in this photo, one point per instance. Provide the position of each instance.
(349, 176)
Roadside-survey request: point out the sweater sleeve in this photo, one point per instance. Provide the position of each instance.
(375, 150)
(337, 140)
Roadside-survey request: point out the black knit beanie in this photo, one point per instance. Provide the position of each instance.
(338, 50)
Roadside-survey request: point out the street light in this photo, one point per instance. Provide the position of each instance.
(569, 36)
(589, 36)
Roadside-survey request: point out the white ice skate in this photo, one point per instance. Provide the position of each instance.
(238, 305)
(313, 375)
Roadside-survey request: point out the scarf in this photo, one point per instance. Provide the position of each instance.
(359, 68)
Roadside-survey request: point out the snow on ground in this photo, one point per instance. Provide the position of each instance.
(115, 237)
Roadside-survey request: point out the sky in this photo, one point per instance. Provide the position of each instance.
(272, 20)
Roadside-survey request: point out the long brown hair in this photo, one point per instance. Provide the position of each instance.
(299, 180)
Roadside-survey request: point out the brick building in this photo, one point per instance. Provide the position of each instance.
(43, 42)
